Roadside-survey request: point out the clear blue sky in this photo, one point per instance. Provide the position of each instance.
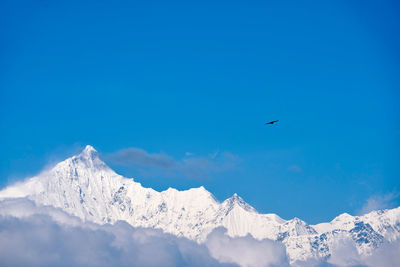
(204, 76)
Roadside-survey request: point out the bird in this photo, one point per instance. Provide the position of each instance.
(272, 122)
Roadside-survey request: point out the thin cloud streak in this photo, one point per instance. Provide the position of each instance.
(379, 202)
(191, 166)
(140, 157)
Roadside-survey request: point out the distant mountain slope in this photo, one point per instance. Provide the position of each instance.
(86, 187)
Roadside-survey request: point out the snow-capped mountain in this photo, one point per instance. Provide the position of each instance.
(86, 187)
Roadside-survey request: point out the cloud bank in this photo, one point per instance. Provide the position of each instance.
(33, 235)
(246, 251)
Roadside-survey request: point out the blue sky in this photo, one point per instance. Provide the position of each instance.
(187, 80)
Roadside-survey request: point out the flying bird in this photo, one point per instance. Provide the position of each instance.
(272, 122)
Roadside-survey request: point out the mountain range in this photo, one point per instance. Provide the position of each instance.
(84, 186)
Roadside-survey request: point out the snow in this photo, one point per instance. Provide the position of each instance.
(86, 187)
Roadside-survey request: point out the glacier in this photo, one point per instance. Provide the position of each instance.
(84, 186)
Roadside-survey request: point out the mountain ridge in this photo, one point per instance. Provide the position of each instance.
(84, 186)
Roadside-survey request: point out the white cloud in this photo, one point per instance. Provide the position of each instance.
(345, 254)
(246, 251)
(387, 255)
(33, 235)
(46, 236)
(378, 202)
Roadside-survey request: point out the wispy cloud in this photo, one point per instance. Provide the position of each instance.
(140, 157)
(378, 202)
(190, 166)
(295, 168)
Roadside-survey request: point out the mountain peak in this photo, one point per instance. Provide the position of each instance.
(237, 200)
(89, 157)
(88, 154)
(89, 151)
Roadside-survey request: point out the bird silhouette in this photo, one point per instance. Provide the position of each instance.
(272, 122)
